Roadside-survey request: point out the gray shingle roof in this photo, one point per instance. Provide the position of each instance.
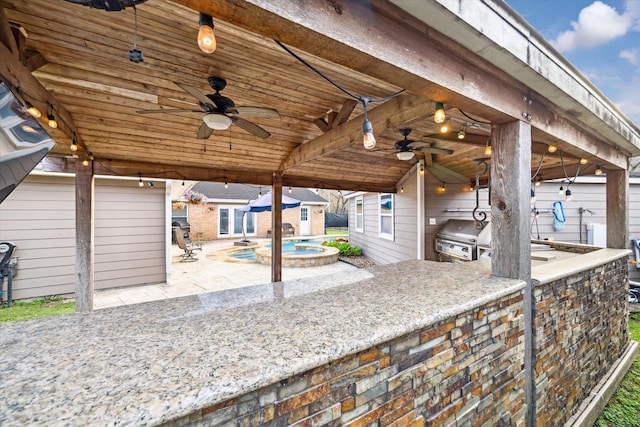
(217, 190)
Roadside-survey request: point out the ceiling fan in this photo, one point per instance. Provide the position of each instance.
(406, 148)
(221, 112)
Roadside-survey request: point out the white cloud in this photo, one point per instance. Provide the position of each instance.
(597, 24)
(630, 55)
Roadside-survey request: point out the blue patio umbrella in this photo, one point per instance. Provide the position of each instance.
(264, 204)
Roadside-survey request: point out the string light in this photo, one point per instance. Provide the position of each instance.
(561, 189)
(598, 170)
(567, 195)
(439, 115)
(51, 118)
(290, 190)
(140, 183)
(442, 188)
(74, 143)
(32, 110)
(368, 140)
(206, 37)
(226, 184)
(462, 133)
(552, 148)
(402, 189)
(583, 161)
(444, 128)
(487, 148)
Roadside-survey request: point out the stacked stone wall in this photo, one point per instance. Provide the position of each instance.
(580, 331)
(464, 370)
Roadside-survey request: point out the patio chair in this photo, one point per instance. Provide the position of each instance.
(287, 230)
(188, 247)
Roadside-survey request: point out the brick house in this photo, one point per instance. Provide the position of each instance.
(218, 216)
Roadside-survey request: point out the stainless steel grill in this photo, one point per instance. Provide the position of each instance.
(458, 239)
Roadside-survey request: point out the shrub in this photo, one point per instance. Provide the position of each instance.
(345, 248)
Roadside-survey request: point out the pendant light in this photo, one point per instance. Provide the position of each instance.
(439, 115)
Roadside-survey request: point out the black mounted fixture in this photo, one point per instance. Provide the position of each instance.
(108, 5)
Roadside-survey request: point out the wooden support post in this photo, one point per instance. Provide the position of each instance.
(510, 233)
(84, 239)
(276, 226)
(618, 209)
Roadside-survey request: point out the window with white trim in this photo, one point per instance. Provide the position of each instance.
(360, 214)
(385, 214)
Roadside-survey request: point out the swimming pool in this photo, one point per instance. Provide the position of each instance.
(288, 248)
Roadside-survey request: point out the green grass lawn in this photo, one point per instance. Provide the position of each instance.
(623, 410)
(39, 308)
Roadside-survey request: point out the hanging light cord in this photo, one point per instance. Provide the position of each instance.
(564, 171)
(342, 89)
(539, 166)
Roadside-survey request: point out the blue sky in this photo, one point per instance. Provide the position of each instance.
(600, 38)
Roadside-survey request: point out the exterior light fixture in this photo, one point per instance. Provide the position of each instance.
(567, 196)
(583, 161)
(74, 144)
(487, 148)
(439, 116)
(462, 132)
(598, 170)
(552, 148)
(32, 110)
(206, 36)
(368, 140)
(405, 155)
(140, 183)
(51, 118)
(217, 121)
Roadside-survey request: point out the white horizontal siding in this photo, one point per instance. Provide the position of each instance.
(383, 251)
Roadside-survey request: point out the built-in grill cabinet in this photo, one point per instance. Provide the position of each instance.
(458, 239)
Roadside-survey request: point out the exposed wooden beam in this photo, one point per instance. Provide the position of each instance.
(392, 113)
(344, 113)
(17, 76)
(444, 68)
(6, 35)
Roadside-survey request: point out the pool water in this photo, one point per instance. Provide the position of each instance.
(288, 248)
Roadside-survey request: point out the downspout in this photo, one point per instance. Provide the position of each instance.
(169, 235)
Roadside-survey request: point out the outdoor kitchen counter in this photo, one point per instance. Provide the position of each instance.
(149, 363)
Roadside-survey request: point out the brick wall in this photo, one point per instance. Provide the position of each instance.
(203, 218)
(466, 369)
(580, 330)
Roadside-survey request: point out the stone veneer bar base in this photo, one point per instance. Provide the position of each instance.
(407, 344)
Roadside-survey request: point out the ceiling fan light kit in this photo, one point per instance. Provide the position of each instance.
(405, 155)
(217, 121)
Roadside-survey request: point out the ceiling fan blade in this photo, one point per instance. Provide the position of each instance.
(204, 131)
(260, 112)
(435, 150)
(250, 127)
(195, 93)
(168, 110)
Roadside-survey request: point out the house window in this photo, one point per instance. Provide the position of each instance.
(360, 214)
(234, 223)
(385, 223)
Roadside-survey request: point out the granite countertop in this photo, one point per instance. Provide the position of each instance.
(150, 363)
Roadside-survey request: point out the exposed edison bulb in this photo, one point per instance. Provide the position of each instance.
(52, 121)
(583, 161)
(487, 150)
(74, 146)
(567, 196)
(32, 110)
(439, 116)
(140, 183)
(85, 162)
(598, 170)
(444, 128)
(206, 36)
(552, 148)
(368, 140)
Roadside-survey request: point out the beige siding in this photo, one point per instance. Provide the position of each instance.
(381, 250)
(39, 218)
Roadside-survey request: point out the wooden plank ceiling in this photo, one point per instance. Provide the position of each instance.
(79, 55)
